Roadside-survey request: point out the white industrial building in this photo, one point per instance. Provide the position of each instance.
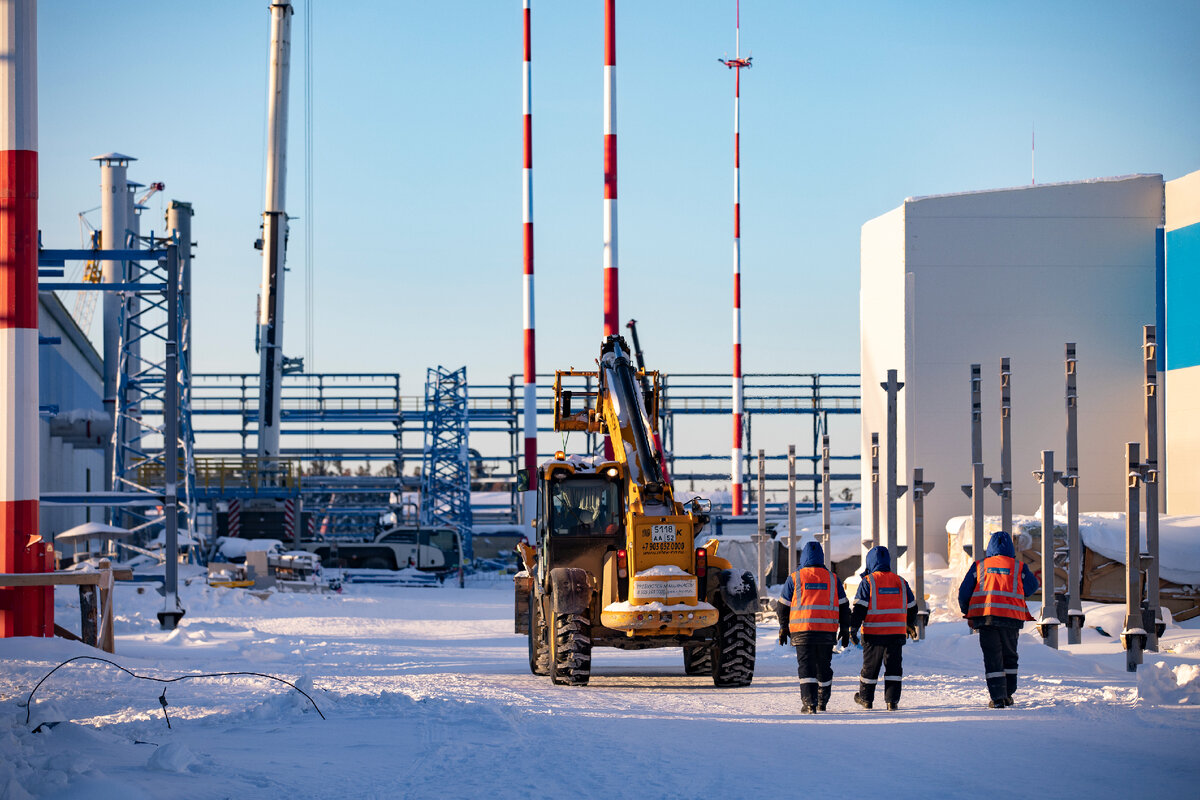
(73, 425)
(952, 280)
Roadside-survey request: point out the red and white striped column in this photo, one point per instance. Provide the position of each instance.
(612, 325)
(530, 402)
(22, 611)
(737, 64)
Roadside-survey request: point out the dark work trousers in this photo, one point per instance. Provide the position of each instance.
(814, 665)
(885, 651)
(999, 647)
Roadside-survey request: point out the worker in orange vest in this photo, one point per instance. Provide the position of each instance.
(886, 611)
(992, 598)
(813, 613)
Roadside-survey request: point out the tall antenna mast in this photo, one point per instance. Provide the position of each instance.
(737, 64)
(530, 401)
(1033, 155)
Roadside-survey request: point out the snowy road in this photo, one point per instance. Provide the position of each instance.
(427, 694)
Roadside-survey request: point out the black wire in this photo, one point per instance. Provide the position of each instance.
(163, 698)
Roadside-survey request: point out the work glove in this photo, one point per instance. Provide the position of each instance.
(784, 639)
(913, 633)
(854, 636)
(844, 638)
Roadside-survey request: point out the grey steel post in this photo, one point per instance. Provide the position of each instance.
(169, 617)
(179, 223)
(874, 496)
(1071, 482)
(974, 490)
(760, 537)
(1150, 475)
(920, 489)
(825, 509)
(1048, 623)
(1004, 487)
(791, 508)
(1133, 637)
(113, 225)
(894, 490)
(132, 433)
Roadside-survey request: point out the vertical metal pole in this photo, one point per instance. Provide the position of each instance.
(791, 508)
(113, 226)
(761, 535)
(270, 313)
(530, 399)
(920, 489)
(1071, 481)
(1133, 637)
(1150, 474)
(978, 481)
(976, 414)
(612, 325)
(874, 492)
(825, 509)
(1048, 623)
(22, 610)
(1005, 487)
(172, 611)
(131, 430)
(893, 387)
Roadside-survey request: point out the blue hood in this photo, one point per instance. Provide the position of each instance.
(812, 555)
(879, 560)
(1001, 545)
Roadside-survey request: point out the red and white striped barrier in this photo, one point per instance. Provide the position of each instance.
(289, 518)
(612, 325)
(22, 610)
(233, 524)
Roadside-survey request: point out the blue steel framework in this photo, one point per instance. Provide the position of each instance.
(445, 470)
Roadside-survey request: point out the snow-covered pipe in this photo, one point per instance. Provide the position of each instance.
(23, 611)
(530, 401)
(270, 310)
(611, 313)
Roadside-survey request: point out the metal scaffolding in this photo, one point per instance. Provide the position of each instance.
(445, 470)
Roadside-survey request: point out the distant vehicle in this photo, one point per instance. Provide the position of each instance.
(436, 550)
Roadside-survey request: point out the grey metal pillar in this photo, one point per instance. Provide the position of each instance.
(172, 611)
(179, 223)
(791, 508)
(875, 493)
(131, 431)
(1004, 487)
(1133, 637)
(825, 500)
(113, 225)
(920, 488)
(1150, 475)
(1071, 482)
(974, 490)
(1048, 623)
(760, 537)
(894, 490)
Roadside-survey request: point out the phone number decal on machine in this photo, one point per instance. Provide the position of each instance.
(644, 589)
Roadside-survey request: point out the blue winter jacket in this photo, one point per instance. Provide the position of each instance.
(999, 545)
(810, 556)
(878, 560)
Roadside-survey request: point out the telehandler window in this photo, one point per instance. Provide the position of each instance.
(584, 507)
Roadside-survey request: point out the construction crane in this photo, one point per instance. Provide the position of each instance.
(93, 271)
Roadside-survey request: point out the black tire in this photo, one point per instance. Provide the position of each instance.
(539, 647)
(376, 562)
(733, 652)
(697, 659)
(571, 650)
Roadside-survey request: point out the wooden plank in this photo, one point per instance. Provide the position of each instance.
(89, 613)
(50, 578)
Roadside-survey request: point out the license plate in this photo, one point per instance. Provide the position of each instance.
(662, 533)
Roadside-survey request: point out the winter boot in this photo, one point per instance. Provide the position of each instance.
(891, 694)
(993, 703)
(808, 698)
(862, 701)
(823, 697)
(1010, 680)
(892, 706)
(1008, 701)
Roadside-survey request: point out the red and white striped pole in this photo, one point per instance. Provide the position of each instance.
(22, 611)
(530, 403)
(612, 325)
(737, 64)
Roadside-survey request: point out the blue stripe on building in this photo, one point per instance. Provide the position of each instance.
(1183, 297)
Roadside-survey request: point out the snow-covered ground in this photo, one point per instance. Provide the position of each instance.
(427, 693)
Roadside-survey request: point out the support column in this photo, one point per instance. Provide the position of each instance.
(1048, 623)
(920, 487)
(974, 489)
(172, 611)
(1004, 487)
(1150, 477)
(791, 508)
(825, 510)
(529, 404)
(23, 611)
(1071, 482)
(760, 536)
(894, 490)
(1133, 637)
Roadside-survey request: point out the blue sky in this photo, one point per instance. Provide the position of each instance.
(849, 109)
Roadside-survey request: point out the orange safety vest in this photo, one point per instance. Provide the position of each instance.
(998, 591)
(814, 601)
(888, 610)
